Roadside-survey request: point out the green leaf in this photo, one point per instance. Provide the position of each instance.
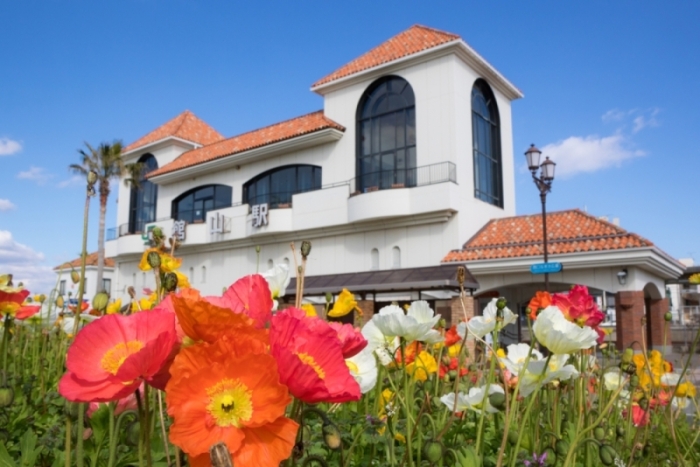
(29, 450)
(5, 459)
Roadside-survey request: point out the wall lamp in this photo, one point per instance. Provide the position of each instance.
(622, 277)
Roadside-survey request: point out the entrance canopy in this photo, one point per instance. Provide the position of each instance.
(442, 277)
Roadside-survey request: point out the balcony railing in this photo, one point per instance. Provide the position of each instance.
(381, 180)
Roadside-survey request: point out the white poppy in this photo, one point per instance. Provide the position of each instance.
(670, 379)
(561, 336)
(415, 325)
(277, 279)
(383, 346)
(475, 400)
(539, 371)
(487, 322)
(68, 323)
(613, 379)
(363, 367)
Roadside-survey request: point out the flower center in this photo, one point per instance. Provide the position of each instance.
(230, 403)
(309, 360)
(114, 357)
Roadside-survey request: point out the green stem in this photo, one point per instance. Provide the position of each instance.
(66, 462)
(79, 435)
(112, 438)
(83, 259)
(147, 424)
(409, 399)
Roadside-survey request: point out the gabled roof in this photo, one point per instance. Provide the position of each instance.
(91, 260)
(567, 232)
(288, 129)
(415, 39)
(186, 126)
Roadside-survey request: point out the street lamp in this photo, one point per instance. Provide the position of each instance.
(544, 184)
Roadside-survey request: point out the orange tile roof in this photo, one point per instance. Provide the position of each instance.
(413, 40)
(91, 260)
(567, 232)
(288, 129)
(186, 126)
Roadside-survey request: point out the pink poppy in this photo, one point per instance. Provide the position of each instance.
(249, 295)
(310, 359)
(111, 356)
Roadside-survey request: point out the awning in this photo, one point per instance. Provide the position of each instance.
(443, 277)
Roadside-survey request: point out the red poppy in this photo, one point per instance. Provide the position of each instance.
(452, 365)
(579, 307)
(229, 392)
(249, 295)
(310, 359)
(451, 336)
(351, 339)
(11, 301)
(27, 311)
(112, 355)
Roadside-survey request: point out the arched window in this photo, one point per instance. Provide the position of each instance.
(486, 137)
(396, 257)
(204, 274)
(142, 206)
(374, 258)
(278, 185)
(193, 205)
(386, 136)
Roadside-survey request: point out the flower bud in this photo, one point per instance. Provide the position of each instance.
(157, 234)
(497, 400)
(100, 301)
(433, 451)
(607, 454)
(599, 433)
(452, 374)
(629, 368)
(461, 275)
(331, 435)
(644, 403)
(92, 177)
(170, 281)
(59, 302)
(74, 276)
(133, 433)
(131, 291)
(668, 316)
(634, 381)
(501, 303)
(219, 455)
(153, 259)
(7, 395)
(329, 297)
(561, 447)
(627, 355)
(305, 249)
(512, 437)
(620, 431)
(257, 248)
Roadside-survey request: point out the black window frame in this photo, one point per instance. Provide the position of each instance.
(386, 151)
(259, 189)
(144, 197)
(221, 197)
(486, 145)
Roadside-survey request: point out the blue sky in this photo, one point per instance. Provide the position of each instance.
(610, 94)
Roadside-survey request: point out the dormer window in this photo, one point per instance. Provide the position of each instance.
(486, 138)
(386, 136)
(142, 205)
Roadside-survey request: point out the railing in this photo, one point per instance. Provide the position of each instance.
(278, 199)
(691, 315)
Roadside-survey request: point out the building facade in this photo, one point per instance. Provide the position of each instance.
(411, 154)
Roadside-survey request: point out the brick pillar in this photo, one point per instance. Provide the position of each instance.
(629, 311)
(458, 312)
(655, 319)
(367, 307)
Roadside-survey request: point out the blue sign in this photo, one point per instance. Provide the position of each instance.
(545, 268)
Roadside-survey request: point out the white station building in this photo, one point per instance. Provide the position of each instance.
(411, 156)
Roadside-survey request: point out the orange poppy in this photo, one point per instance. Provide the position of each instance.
(202, 321)
(539, 302)
(229, 392)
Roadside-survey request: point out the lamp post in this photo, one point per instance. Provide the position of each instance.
(544, 184)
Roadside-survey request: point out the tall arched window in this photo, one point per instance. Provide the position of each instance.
(278, 185)
(193, 205)
(386, 136)
(486, 137)
(142, 206)
(396, 257)
(374, 259)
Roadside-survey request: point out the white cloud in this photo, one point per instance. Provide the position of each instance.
(35, 174)
(614, 115)
(25, 265)
(589, 154)
(9, 147)
(73, 181)
(6, 205)
(640, 119)
(647, 120)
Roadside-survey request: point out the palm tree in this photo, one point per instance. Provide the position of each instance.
(105, 160)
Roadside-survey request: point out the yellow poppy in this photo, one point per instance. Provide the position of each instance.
(309, 309)
(114, 307)
(686, 390)
(182, 281)
(167, 262)
(344, 305)
(454, 350)
(423, 366)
